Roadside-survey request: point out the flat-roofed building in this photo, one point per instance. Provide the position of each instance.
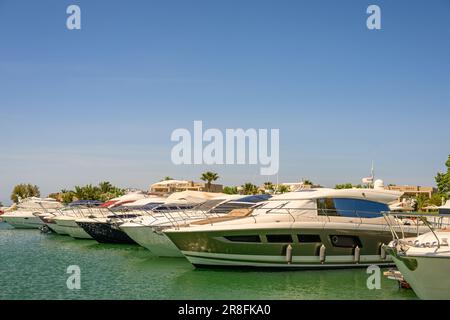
(171, 186)
(413, 191)
(292, 186)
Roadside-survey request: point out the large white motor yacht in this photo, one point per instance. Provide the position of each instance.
(67, 223)
(24, 214)
(424, 261)
(105, 229)
(148, 230)
(311, 228)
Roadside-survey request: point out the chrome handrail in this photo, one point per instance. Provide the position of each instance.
(420, 216)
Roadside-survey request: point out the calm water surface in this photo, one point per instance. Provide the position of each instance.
(33, 266)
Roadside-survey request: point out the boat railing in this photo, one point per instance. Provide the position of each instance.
(83, 211)
(300, 213)
(182, 216)
(146, 217)
(47, 209)
(39, 209)
(179, 216)
(296, 214)
(74, 212)
(432, 221)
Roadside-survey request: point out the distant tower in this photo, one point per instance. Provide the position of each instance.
(369, 180)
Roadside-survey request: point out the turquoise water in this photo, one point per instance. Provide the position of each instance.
(33, 266)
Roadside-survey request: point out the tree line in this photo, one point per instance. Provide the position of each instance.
(104, 191)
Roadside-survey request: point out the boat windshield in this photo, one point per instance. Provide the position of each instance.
(344, 207)
(148, 206)
(208, 205)
(288, 207)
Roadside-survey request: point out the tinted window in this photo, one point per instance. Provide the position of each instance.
(249, 238)
(350, 207)
(326, 207)
(124, 215)
(308, 238)
(255, 198)
(279, 238)
(206, 206)
(173, 207)
(150, 206)
(228, 206)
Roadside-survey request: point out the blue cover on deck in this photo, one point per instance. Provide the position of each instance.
(92, 203)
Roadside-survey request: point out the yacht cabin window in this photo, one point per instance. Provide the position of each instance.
(343, 207)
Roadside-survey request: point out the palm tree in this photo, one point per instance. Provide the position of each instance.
(268, 185)
(209, 176)
(105, 186)
(22, 191)
(230, 190)
(283, 188)
(67, 197)
(167, 178)
(91, 192)
(78, 193)
(249, 188)
(421, 201)
(307, 182)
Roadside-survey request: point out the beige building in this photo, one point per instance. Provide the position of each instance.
(171, 186)
(413, 191)
(292, 186)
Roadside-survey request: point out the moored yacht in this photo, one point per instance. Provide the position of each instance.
(105, 229)
(424, 261)
(68, 224)
(49, 219)
(24, 214)
(311, 228)
(147, 231)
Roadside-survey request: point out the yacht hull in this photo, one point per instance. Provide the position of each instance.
(427, 276)
(57, 229)
(23, 222)
(213, 248)
(70, 227)
(157, 243)
(52, 225)
(104, 232)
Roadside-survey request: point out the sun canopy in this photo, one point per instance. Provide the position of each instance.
(193, 197)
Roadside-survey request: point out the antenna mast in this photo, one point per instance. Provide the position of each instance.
(373, 175)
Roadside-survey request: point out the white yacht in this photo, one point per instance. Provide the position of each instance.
(105, 230)
(67, 223)
(311, 228)
(424, 261)
(146, 230)
(24, 214)
(49, 219)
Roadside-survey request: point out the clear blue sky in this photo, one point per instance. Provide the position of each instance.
(100, 103)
